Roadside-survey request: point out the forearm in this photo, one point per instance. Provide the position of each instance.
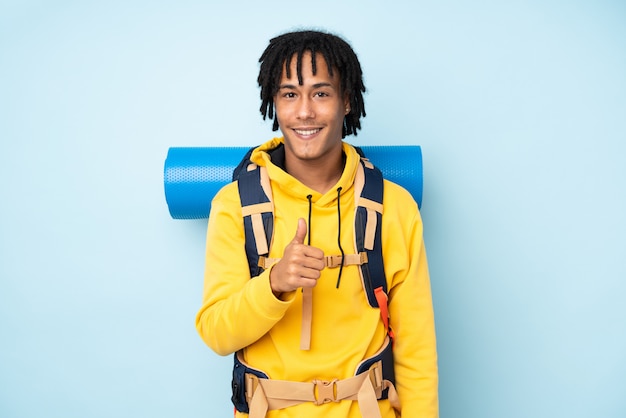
(412, 318)
(415, 354)
(234, 321)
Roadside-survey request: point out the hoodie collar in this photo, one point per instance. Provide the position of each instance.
(272, 156)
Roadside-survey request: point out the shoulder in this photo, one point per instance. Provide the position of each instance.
(225, 217)
(227, 199)
(400, 210)
(396, 196)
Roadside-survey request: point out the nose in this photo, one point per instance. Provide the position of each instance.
(305, 108)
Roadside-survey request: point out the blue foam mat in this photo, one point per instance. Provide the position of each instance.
(193, 175)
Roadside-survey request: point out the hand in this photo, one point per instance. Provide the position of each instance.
(300, 266)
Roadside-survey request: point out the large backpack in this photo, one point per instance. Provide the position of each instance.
(258, 218)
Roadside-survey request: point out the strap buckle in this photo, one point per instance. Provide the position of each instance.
(251, 384)
(333, 261)
(325, 391)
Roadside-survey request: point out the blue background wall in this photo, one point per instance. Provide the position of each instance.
(520, 109)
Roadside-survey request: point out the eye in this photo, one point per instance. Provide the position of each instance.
(321, 94)
(289, 95)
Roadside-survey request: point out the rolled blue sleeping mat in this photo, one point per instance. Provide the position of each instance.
(193, 175)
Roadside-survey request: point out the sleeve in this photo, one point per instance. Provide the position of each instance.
(412, 320)
(236, 310)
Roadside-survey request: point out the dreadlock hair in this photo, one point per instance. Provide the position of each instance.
(338, 55)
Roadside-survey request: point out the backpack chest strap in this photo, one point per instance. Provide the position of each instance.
(330, 261)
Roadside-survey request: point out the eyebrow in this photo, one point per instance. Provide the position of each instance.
(315, 86)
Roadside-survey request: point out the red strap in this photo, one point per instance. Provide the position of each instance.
(381, 298)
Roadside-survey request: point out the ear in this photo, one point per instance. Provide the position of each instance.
(346, 103)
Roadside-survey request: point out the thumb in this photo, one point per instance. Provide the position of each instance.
(300, 232)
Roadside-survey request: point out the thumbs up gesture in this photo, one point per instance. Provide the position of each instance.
(300, 265)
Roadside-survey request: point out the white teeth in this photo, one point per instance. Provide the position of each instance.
(307, 132)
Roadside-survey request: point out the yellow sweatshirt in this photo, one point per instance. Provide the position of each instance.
(242, 313)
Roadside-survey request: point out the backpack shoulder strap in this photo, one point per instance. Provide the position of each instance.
(257, 208)
(368, 238)
(367, 228)
(243, 164)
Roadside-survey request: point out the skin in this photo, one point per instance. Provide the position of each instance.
(310, 117)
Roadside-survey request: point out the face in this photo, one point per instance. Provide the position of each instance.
(311, 115)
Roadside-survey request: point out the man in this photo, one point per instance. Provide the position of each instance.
(307, 324)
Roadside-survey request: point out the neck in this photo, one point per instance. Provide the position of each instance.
(319, 175)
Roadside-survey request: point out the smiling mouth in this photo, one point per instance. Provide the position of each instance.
(307, 132)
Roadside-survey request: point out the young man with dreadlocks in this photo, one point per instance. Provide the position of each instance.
(302, 328)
